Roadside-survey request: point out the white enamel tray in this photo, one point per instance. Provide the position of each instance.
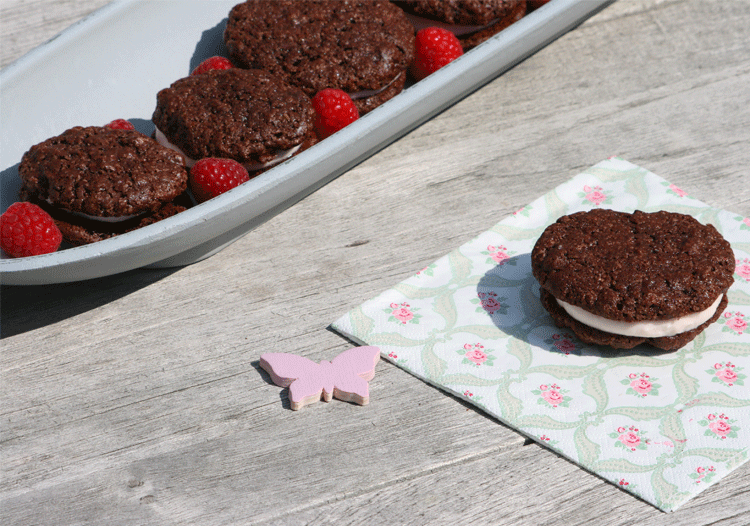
(112, 64)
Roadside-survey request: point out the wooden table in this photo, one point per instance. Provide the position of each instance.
(138, 399)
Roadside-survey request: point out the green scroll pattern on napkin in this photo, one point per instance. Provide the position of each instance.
(663, 426)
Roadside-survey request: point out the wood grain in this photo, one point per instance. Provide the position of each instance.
(138, 399)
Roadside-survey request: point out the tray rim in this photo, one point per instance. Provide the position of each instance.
(275, 190)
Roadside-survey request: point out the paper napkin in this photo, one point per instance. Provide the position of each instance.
(661, 425)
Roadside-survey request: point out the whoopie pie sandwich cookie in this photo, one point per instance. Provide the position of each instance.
(622, 279)
(362, 47)
(472, 21)
(97, 182)
(250, 116)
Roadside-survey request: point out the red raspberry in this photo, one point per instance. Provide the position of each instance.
(120, 124)
(210, 177)
(27, 230)
(435, 48)
(334, 109)
(212, 63)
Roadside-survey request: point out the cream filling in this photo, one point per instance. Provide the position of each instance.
(101, 219)
(189, 162)
(642, 329)
(421, 23)
(372, 92)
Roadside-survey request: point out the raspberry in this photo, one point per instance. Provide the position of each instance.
(334, 109)
(27, 230)
(212, 63)
(435, 47)
(120, 124)
(210, 177)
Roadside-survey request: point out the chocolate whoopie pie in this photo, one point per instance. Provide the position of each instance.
(622, 279)
(472, 21)
(250, 116)
(97, 182)
(362, 47)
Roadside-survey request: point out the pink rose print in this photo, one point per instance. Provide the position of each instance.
(720, 427)
(498, 255)
(733, 322)
(742, 268)
(641, 385)
(562, 342)
(629, 438)
(674, 190)
(565, 346)
(547, 440)
(703, 474)
(678, 191)
(553, 395)
(490, 303)
(594, 195)
(471, 396)
(744, 223)
(525, 211)
(727, 374)
(737, 325)
(429, 270)
(402, 313)
(476, 354)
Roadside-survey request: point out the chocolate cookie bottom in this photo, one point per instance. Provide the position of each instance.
(472, 40)
(78, 230)
(594, 336)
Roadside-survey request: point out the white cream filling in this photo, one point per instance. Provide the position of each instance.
(372, 92)
(421, 23)
(102, 219)
(189, 162)
(642, 329)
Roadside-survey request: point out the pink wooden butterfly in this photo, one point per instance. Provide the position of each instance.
(345, 377)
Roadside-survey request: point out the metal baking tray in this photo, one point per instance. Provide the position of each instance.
(111, 65)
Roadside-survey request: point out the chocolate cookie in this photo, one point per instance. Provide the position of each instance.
(362, 47)
(97, 182)
(623, 279)
(250, 116)
(472, 21)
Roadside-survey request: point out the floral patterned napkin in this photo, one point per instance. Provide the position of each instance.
(661, 425)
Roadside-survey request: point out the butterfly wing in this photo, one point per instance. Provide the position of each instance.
(352, 369)
(285, 368)
(304, 377)
(360, 360)
(307, 390)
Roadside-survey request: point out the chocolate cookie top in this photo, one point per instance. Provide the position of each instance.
(245, 115)
(461, 12)
(345, 44)
(102, 172)
(633, 267)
